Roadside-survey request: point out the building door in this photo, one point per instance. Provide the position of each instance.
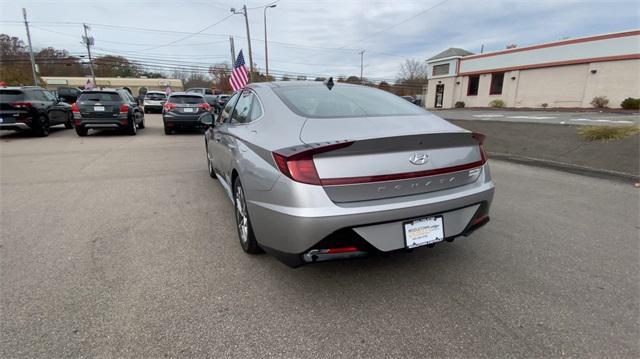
(439, 95)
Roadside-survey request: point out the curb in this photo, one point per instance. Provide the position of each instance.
(568, 167)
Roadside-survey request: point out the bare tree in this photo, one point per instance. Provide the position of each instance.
(412, 69)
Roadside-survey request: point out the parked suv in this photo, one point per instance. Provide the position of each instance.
(33, 109)
(182, 111)
(153, 101)
(68, 94)
(107, 109)
(200, 90)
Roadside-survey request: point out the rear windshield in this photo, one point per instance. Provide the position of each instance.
(68, 91)
(99, 97)
(156, 96)
(11, 95)
(345, 101)
(187, 100)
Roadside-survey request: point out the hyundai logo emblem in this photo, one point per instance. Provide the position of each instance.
(419, 158)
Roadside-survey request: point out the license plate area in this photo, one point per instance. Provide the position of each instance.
(423, 231)
(98, 108)
(188, 109)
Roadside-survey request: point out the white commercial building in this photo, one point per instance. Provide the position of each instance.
(567, 73)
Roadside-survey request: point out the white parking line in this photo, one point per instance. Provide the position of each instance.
(590, 120)
(532, 117)
(488, 115)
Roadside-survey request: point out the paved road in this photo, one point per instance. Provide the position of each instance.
(119, 246)
(561, 118)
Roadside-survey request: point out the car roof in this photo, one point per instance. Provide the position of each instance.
(162, 92)
(185, 94)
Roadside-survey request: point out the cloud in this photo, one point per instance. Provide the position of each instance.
(305, 35)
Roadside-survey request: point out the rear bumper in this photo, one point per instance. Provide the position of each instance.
(101, 123)
(14, 126)
(153, 107)
(190, 121)
(289, 230)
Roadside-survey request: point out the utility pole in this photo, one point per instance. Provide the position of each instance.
(233, 51)
(33, 60)
(89, 41)
(361, 65)
(266, 52)
(246, 22)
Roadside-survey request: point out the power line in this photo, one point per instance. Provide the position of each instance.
(188, 36)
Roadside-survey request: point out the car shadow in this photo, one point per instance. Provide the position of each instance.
(18, 135)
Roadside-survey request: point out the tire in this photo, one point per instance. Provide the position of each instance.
(41, 128)
(167, 131)
(146, 111)
(245, 231)
(69, 123)
(82, 131)
(141, 125)
(132, 128)
(212, 172)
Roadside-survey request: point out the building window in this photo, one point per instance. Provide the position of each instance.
(474, 81)
(496, 83)
(440, 70)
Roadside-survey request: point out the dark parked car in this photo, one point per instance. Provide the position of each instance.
(200, 90)
(181, 111)
(69, 94)
(107, 109)
(212, 100)
(32, 109)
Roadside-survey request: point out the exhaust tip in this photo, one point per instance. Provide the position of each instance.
(321, 255)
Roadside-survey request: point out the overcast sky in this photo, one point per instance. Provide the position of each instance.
(311, 37)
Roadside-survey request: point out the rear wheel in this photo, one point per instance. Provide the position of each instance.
(132, 129)
(69, 123)
(243, 223)
(167, 131)
(82, 131)
(41, 128)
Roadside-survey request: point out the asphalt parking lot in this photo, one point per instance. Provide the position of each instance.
(120, 246)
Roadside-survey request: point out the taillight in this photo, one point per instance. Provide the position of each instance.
(480, 138)
(75, 108)
(21, 104)
(124, 108)
(299, 166)
(169, 106)
(204, 106)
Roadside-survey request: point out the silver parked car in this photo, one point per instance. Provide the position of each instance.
(319, 172)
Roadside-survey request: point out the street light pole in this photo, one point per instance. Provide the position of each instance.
(33, 60)
(246, 22)
(266, 52)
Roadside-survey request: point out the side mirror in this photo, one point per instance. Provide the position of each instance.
(206, 119)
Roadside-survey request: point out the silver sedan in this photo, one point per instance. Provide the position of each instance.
(318, 171)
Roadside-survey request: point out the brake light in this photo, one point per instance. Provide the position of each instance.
(75, 108)
(480, 138)
(299, 166)
(169, 106)
(21, 104)
(124, 108)
(204, 106)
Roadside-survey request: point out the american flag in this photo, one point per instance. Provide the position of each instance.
(239, 75)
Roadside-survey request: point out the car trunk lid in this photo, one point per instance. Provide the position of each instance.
(392, 156)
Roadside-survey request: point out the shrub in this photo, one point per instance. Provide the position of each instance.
(600, 102)
(544, 105)
(631, 103)
(607, 133)
(497, 103)
(459, 104)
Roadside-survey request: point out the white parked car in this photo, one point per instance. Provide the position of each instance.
(153, 101)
